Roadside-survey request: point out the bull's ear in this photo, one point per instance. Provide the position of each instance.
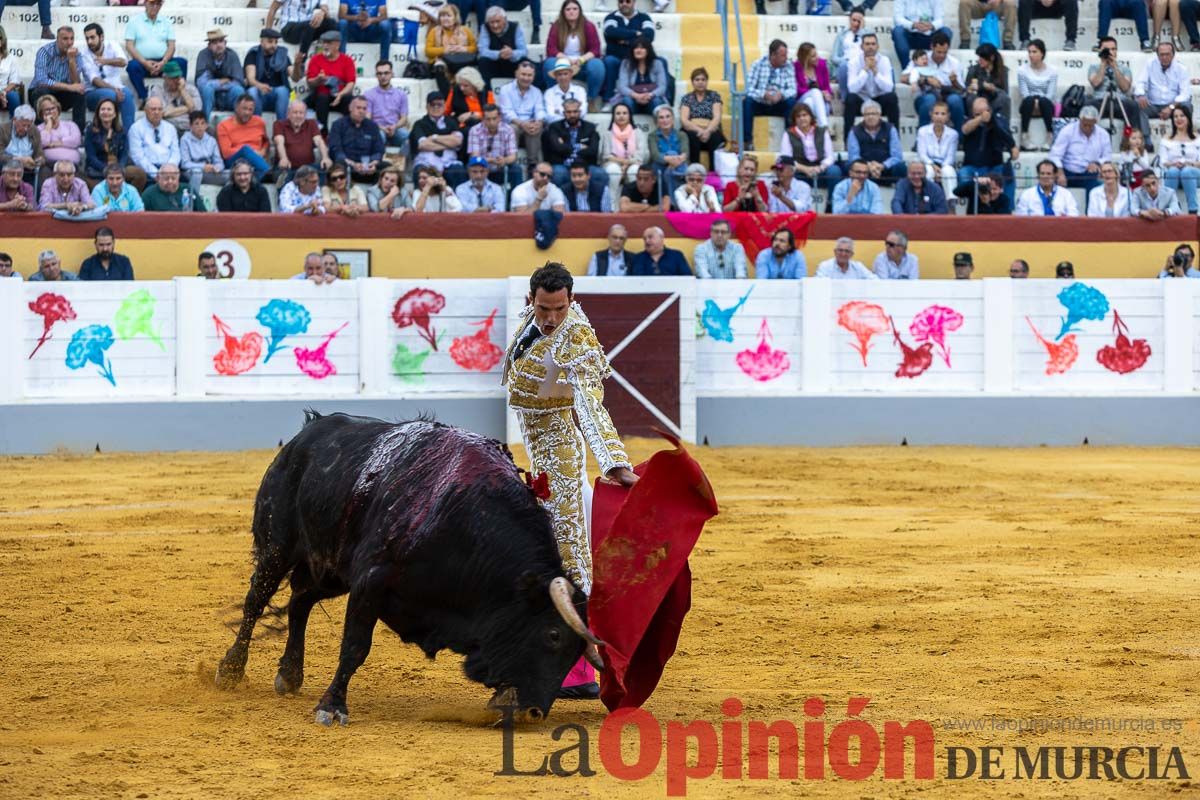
(530, 587)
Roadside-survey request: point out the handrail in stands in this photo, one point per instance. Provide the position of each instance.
(731, 72)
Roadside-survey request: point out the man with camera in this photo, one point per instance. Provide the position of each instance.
(1179, 264)
(1163, 84)
(986, 140)
(985, 195)
(1112, 88)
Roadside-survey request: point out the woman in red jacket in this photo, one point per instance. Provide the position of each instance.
(573, 37)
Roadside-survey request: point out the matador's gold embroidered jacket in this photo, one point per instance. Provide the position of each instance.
(557, 374)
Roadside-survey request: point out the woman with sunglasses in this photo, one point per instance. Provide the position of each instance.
(695, 196)
(340, 197)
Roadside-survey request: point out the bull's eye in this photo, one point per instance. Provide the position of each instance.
(554, 637)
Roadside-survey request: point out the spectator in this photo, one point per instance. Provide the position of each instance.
(695, 196)
(1006, 10)
(331, 267)
(718, 257)
(1179, 264)
(846, 48)
(1066, 270)
(501, 45)
(770, 90)
(666, 149)
(200, 155)
(812, 82)
(964, 265)
(15, 193)
(988, 78)
(296, 139)
(937, 147)
(304, 21)
(810, 147)
(150, 43)
(1189, 10)
(781, 260)
(166, 194)
(942, 82)
(622, 147)
(61, 139)
(243, 194)
(521, 107)
(1038, 84)
(1110, 198)
(658, 259)
(574, 39)
(467, 98)
(65, 192)
(613, 260)
(21, 142)
(433, 195)
(314, 270)
(842, 267)
(700, 118)
(450, 42)
(1018, 269)
(1134, 158)
(10, 76)
(6, 266)
(302, 195)
(357, 143)
(331, 76)
(878, 144)
(857, 194)
(869, 77)
(645, 194)
(895, 262)
(1080, 148)
(788, 195)
(496, 143)
(1179, 155)
(642, 78)
(621, 28)
(179, 98)
(368, 24)
(1126, 9)
(539, 193)
(1047, 198)
(58, 71)
(107, 264)
(105, 143)
(915, 195)
(50, 269)
(387, 106)
(339, 196)
(114, 194)
(746, 192)
(985, 195)
(219, 74)
(387, 196)
(103, 64)
(915, 24)
(561, 89)
(1028, 10)
(206, 264)
(267, 76)
(1152, 202)
(573, 141)
(244, 135)
(436, 139)
(986, 140)
(587, 192)
(477, 194)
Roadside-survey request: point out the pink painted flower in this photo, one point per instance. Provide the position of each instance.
(932, 324)
(764, 363)
(313, 363)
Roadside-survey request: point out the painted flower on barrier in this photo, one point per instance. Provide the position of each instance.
(135, 317)
(408, 365)
(51, 308)
(1082, 302)
(313, 363)
(90, 346)
(916, 359)
(1124, 356)
(415, 308)
(717, 321)
(282, 318)
(476, 352)
(236, 355)
(1060, 356)
(864, 320)
(931, 325)
(764, 363)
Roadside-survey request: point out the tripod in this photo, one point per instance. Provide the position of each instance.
(1110, 99)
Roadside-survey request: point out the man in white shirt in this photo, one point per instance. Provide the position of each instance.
(553, 97)
(538, 193)
(1163, 84)
(842, 267)
(1047, 198)
(846, 47)
(788, 194)
(895, 262)
(1080, 148)
(153, 142)
(613, 260)
(103, 64)
(943, 82)
(869, 77)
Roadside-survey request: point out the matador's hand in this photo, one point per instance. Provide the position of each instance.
(622, 475)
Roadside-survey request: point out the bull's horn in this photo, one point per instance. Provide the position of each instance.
(592, 654)
(560, 594)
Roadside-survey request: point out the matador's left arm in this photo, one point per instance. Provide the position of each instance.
(583, 361)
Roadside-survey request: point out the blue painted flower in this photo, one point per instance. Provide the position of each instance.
(282, 318)
(717, 321)
(89, 346)
(1082, 302)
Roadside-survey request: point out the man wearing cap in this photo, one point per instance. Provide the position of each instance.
(478, 194)
(963, 266)
(152, 142)
(1080, 148)
(1046, 198)
(496, 143)
(219, 74)
(501, 46)
(553, 97)
(387, 106)
(301, 22)
(355, 141)
(843, 267)
(435, 140)
(521, 107)
(331, 75)
(266, 73)
(1066, 270)
(178, 97)
(103, 65)
(58, 71)
(150, 43)
(365, 22)
(788, 195)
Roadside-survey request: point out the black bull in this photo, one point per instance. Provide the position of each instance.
(430, 530)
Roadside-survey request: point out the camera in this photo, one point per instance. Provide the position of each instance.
(1105, 53)
(1178, 260)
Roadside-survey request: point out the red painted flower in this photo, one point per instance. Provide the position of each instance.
(864, 320)
(1124, 356)
(415, 308)
(916, 359)
(477, 351)
(1060, 356)
(51, 308)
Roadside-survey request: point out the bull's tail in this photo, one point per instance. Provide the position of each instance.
(310, 416)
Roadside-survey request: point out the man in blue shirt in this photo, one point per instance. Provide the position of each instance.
(106, 265)
(366, 21)
(915, 195)
(58, 70)
(782, 260)
(857, 194)
(356, 141)
(477, 194)
(657, 259)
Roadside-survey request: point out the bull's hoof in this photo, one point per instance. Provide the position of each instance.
(228, 677)
(327, 718)
(288, 681)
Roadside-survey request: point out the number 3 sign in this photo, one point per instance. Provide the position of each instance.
(233, 261)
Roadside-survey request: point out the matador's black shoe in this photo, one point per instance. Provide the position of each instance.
(584, 691)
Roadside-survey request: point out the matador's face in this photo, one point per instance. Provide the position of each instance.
(550, 309)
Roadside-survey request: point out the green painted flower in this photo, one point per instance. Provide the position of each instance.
(408, 365)
(135, 317)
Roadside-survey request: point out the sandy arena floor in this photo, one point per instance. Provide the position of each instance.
(941, 583)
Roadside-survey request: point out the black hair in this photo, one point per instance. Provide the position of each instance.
(791, 237)
(195, 115)
(92, 26)
(1040, 46)
(205, 256)
(939, 37)
(5, 257)
(1038, 168)
(104, 232)
(551, 277)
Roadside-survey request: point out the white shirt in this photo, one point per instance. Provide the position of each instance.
(1074, 151)
(524, 196)
(799, 193)
(1161, 87)
(446, 201)
(1170, 151)
(10, 71)
(704, 204)
(149, 154)
(909, 269)
(870, 84)
(944, 70)
(933, 150)
(1029, 204)
(1098, 204)
(107, 73)
(855, 272)
(553, 99)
